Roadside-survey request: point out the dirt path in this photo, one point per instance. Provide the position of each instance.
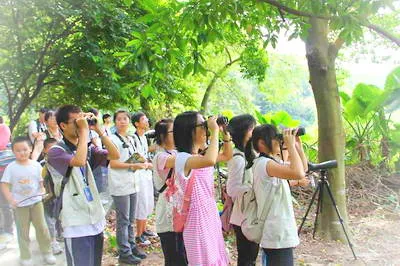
(376, 240)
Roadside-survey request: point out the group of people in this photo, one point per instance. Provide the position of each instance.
(73, 144)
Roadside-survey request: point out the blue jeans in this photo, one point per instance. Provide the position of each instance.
(125, 207)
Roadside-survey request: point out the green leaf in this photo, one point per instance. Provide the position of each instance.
(128, 2)
(344, 96)
(121, 54)
(134, 43)
(147, 91)
(188, 69)
(137, 35)
(393, 79)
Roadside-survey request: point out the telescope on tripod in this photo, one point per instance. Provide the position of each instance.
(323, 185)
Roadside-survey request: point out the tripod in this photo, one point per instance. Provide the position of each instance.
(323, 183)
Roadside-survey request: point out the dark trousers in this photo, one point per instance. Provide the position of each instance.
(84, 251)
(125, 207)
(279, 257)
(173, 249)
(247, 250)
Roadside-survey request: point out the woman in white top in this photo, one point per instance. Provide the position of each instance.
(52, 131)
(164, 161)
(273, 192)
(122, 186)
(239, 181)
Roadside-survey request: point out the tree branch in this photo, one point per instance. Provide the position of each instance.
(293, 11)
(229, 54)
(381, 32)
(299, 13)
(217, 75)
(43, 52)
(339, 43)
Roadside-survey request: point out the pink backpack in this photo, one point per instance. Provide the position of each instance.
(179, 217)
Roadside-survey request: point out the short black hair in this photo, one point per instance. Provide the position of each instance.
(20, 139)
(1, 120)
(267, 133)
(120, 112)
(105, 116)
(48, 114)
(161, 130)
(62, 114)
(43, 110)
(184, 125)
(93, 111)
(49, 141)
(136, 117)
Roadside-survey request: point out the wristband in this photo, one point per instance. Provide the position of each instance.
(229, 140)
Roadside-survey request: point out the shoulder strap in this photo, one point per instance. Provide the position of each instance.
(171, 170)
(121, 139)
(244, 170)
(188, 194)
(69, 169)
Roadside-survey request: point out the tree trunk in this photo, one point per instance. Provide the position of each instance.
(204, 102)
(207, 93)
(321, 57)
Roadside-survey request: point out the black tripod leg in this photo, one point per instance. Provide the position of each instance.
(319, 207)
(308, 209)
(340, 220)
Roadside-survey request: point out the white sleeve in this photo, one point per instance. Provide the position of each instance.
(180, 162)
(32, 128)
(39, 171)
(234, 185)
(263, 167)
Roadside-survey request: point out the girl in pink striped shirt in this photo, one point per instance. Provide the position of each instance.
(202, 234)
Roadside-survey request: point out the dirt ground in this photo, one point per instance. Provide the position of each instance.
(374, 220)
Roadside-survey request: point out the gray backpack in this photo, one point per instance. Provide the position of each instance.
(253, 225)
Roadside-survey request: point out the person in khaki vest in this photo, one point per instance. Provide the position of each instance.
(82, 214)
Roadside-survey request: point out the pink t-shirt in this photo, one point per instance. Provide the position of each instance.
(5, 135)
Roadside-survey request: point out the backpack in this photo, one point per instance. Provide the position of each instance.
(179, 215)
(253, 225)
(48, 185)
(58, 199)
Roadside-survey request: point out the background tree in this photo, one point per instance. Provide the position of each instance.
(63, 51)
(326, 26)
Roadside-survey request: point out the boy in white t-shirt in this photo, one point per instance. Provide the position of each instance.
(22, 186)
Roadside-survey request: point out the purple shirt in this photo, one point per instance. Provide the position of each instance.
(60, 159)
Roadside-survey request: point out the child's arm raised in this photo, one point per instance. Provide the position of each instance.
(227, 151)
(295, 169)
(210, 158)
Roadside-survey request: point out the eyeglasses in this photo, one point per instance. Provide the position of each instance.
(203, 124)
(72, 121)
